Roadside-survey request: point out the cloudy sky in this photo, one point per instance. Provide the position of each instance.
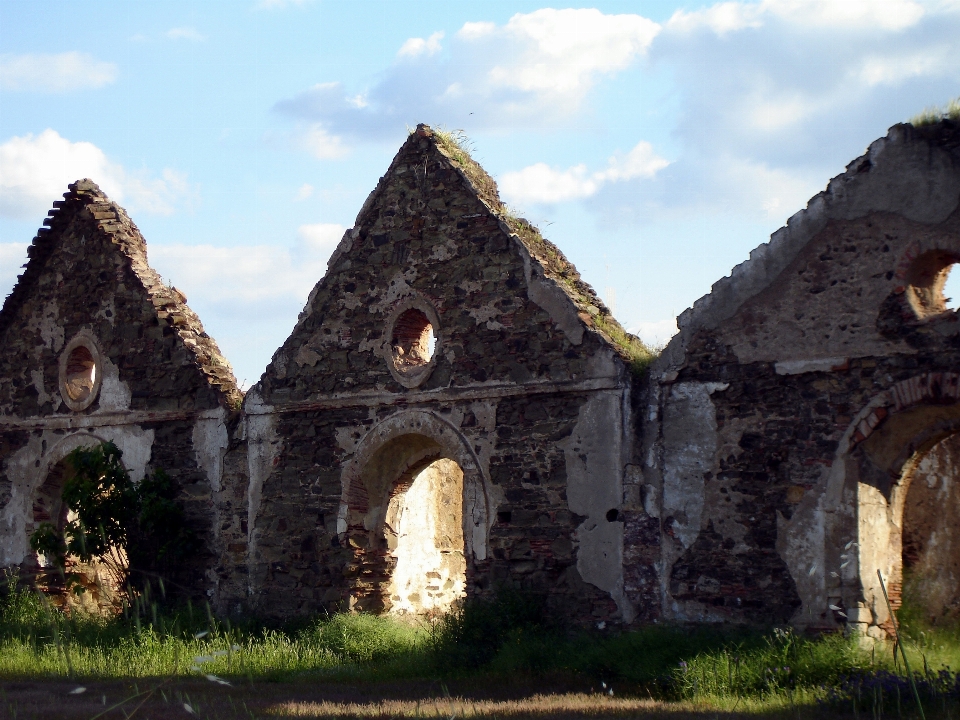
(655, 142)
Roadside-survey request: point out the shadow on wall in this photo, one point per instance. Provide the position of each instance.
(931, 549)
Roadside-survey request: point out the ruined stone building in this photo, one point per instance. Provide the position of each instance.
(456, 411)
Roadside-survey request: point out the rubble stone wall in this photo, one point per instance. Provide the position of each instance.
(523, 392)
(160, 387)
(784, 418)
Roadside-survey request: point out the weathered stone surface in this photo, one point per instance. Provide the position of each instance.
(516, 427)
(454, 411)
(784, 422)
(521, 387)
(157, 378)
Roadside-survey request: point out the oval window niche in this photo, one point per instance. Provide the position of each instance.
(80, 371)
(413, 336)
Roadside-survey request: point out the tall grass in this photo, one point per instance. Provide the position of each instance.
(511, 637)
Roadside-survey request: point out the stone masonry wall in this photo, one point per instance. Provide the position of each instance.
(524, 391)
(164, 388)
(783, 418)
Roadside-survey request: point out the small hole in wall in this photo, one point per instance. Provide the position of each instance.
(81, 374)
(413, 341)
(612, 515)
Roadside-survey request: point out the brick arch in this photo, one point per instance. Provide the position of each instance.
(385, 462)
(868, 484)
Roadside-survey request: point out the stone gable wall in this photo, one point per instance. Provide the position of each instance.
(520, 385)
(784, 421)
(162, 381)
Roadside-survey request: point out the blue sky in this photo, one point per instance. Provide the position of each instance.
(656, 143)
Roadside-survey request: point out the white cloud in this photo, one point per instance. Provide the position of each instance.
(656, 333)
(36, 169)
(855, 15)
(540, 183)
(418, 46)
(322, 145)
(474, 30)
(305, 191)
(721, 18)
(533, 71)
(320, 239)
(184, 33)
(640, 162)
(212, 274)
(12, 257)
(563, 51)
(892, 70)
(62, 72)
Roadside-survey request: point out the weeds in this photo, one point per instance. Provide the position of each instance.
(510, 637)
(933, 115)
(457, 146)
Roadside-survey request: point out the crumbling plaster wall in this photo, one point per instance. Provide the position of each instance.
(759, 412)
(162, 389)
(523, 393)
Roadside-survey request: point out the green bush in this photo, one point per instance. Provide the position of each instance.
(137, 530)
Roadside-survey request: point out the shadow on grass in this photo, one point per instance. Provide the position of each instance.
(480, 698)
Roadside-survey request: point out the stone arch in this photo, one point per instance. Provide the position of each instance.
(386, 462)
(867, 488)
(100, 579)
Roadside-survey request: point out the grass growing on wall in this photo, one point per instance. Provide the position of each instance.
(933, 115)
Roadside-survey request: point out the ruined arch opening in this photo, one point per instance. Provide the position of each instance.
(930, 542)
(405, 526)
(906, 472)
(932, 288)
(94, 586)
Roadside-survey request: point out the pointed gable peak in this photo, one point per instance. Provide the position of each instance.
(453, 149)
(87, 211)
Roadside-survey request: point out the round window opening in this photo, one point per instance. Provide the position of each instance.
(80, 372)
(413, 342)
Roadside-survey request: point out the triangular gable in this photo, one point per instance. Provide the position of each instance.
(912, 173)
(86, 232)
(434, 230)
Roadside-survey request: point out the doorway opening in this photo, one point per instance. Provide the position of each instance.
(69, 583)
(405, 524)
(424, 533)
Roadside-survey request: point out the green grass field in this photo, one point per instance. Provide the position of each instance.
(485, 648)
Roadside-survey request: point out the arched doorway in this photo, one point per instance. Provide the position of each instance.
(414, 516)
(901, 459)
(423, 529)
(94, 586)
